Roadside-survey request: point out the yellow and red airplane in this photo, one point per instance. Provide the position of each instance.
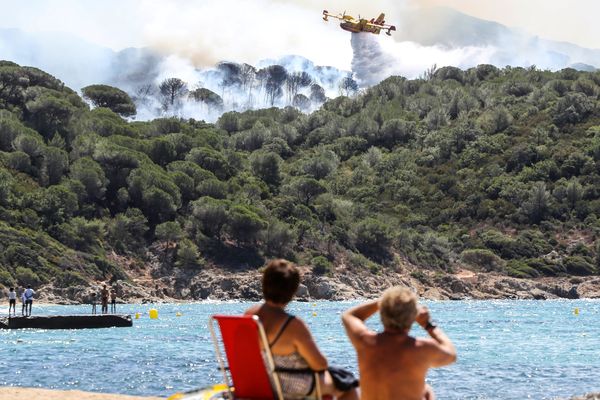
(351, 24)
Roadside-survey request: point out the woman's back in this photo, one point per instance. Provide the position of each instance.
(281, 331)
(290, 341)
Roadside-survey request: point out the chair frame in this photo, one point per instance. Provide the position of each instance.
(271, 369)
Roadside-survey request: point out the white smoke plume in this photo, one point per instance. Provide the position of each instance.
(376, 58)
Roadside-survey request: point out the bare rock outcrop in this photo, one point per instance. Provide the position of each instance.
(342, 284)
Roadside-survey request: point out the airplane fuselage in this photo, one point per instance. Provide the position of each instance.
(356, 27)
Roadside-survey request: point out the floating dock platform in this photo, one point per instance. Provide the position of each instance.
(67, 321)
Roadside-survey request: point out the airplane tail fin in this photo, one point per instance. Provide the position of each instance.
(381, 19)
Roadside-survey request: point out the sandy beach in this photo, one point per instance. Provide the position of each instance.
(19, 393)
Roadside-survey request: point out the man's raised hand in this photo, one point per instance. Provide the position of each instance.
(422, 316)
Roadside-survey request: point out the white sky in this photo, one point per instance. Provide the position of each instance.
(207, 31)
(574, 21)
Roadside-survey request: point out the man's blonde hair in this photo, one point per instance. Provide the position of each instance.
(398, 308)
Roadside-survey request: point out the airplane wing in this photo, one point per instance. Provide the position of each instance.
(326, 15)
(381, 26)
(385, 27)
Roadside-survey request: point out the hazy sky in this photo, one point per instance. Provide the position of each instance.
(207, 31)
(573, 21)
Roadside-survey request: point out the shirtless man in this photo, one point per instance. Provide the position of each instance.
(113, 301)
(93, 301)
(392, 364)
(104, 299)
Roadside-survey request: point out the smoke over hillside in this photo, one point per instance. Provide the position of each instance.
(229, 86)
(448, 38)
(207, 91)
(376, 58)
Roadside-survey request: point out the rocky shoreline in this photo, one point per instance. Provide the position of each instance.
(220, 284)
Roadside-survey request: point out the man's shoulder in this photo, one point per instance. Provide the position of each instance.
(367, 338)
(424, 341)
(426, 345)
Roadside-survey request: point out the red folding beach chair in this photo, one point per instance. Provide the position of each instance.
(252, 375)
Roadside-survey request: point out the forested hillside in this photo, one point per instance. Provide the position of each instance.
(492, 169)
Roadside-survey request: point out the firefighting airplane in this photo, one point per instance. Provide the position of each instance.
(351, 24)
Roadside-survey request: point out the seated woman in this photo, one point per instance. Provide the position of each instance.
(291, 343)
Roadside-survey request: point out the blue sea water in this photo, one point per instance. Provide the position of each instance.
(506, 349)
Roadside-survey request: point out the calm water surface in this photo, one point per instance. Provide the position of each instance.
(507, 349)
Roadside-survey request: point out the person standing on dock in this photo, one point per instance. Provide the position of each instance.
(12, 301)
(23, 302)
(29, 293)
(113, 301)
(104, 298)
(93, 301)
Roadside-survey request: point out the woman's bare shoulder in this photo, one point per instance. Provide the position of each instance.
(298, 326)
(252, 310)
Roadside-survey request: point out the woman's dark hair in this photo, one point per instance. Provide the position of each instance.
(12, 288)
(280, 281)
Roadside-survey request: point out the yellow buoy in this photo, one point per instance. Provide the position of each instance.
(137, 315)
(153, 313)
(314, 314)
(576, 311)
(314, 304)
(178, 314)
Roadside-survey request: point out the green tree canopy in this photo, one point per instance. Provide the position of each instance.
(110, 97)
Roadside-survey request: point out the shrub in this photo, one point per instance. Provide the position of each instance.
(577, 265)
(188, 255)
(26, 276)
(70, 278)
(110, 97)
(19, 161)
(545, 267)
(7, 279)
(373, 238)
(532, 243)
(244, 223)
(518, 89)
(279, 239)
(495, 120)
(420, 276)
(446, 73)
(486, 71)
(106, 270)
(528, 244)
(321, 265)
(521, 269)
(573, 108)
(362, 262)
(482, 258)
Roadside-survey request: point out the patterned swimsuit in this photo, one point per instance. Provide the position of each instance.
(300, 382)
